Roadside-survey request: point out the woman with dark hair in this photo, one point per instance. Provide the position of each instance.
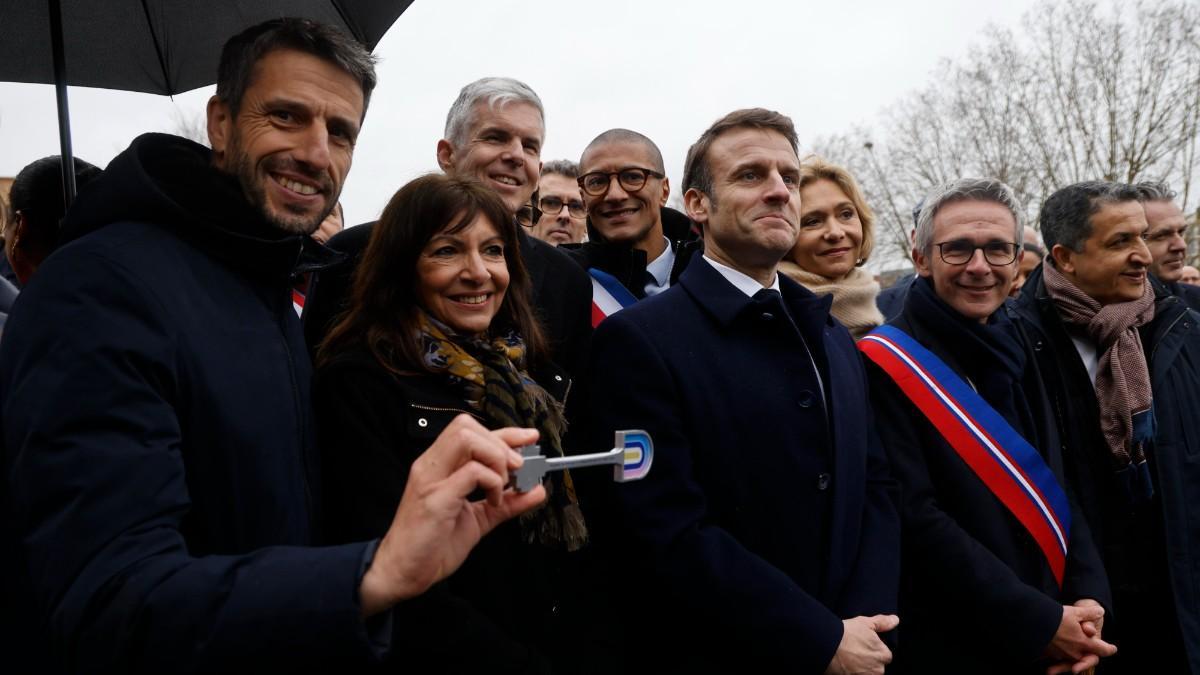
(439, 325)
(836, 237)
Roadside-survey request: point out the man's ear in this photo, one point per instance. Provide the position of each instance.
(1064, 258)
(666, 192)
(697, 205)
(921, 262)
(220, 127)
(445, 155)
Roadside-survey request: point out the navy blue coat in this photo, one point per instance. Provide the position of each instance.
(158, 445)
(973, 579)
(765, 520)
(1148, 549)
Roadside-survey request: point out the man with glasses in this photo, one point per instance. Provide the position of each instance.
(998, 573)
(636, 246)
(1120, 357)
(561, 215)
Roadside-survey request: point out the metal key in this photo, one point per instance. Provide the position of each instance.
(630, 457)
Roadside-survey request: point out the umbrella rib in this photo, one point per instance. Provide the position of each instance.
(337, 6)
(162, 64)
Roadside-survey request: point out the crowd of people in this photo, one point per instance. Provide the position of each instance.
(238, 437)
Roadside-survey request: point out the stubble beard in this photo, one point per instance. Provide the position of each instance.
(256, 194)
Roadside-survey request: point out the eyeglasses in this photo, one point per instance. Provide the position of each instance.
(528, 215)
(961, 252)
(552, 206)
(631, 179)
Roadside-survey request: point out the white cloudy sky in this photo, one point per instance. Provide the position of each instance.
(666, 68)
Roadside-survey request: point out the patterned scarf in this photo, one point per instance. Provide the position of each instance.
(1122, 378)
(491, 377)
(853, 296)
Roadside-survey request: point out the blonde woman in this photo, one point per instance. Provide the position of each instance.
(836, 238)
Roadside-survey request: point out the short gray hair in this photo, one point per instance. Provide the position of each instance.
(492, 92)
(1155, 191)
(561, 167)
(962, 190)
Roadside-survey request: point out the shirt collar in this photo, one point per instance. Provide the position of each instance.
(741, 281)
(660, 270)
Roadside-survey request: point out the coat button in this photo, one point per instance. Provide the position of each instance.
(767, 316)
(823, 480)
(806, 399)
(558, 378)
(422, 422)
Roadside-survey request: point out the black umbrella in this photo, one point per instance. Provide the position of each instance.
(154, 46)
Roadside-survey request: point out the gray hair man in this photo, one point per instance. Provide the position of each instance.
(1120, 358)
(1029, 606)
(1166, 238)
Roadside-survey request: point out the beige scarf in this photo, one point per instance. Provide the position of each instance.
(853, 296)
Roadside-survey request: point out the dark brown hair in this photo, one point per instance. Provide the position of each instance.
(696, 171)
(383, 310)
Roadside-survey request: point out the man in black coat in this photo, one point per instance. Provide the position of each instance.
(765, 537)
(158, 447)
(1165, 237)
(494, 133)
(976, 587)
(1129, 450)
(625, 188)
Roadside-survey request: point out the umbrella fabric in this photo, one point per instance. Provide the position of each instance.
(159, 46)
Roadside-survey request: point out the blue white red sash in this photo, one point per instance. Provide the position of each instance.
(1006, 463)
(608, 295)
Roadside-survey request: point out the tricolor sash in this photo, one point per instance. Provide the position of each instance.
(1006, 463)
(608, 295)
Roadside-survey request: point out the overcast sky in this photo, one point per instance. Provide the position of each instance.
(666, 68)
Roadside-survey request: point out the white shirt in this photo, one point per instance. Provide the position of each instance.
(742, 282)
(1089, 355)
(660, 270)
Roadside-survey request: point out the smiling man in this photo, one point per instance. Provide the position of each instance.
(1120, 358)
(637, 246)
(765, 538)
(158, 444)
(1166, 239)
(983, 583)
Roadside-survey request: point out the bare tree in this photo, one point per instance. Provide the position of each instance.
(1079, 92)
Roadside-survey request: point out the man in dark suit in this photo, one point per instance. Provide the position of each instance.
(765, 537)
(494, 133)
(965, 534)
(1166, 239)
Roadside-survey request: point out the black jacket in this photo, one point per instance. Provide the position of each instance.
(765, 519)
(973, 580)
(627, 264)
(513, 606)
(1149, 549)
(158, 446)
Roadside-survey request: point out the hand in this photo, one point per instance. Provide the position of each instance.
(861, 650)
(1076, 645)
(435, 526)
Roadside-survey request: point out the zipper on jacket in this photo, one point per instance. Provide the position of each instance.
(418, 406)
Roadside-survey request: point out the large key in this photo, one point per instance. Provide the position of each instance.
(630, 459)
